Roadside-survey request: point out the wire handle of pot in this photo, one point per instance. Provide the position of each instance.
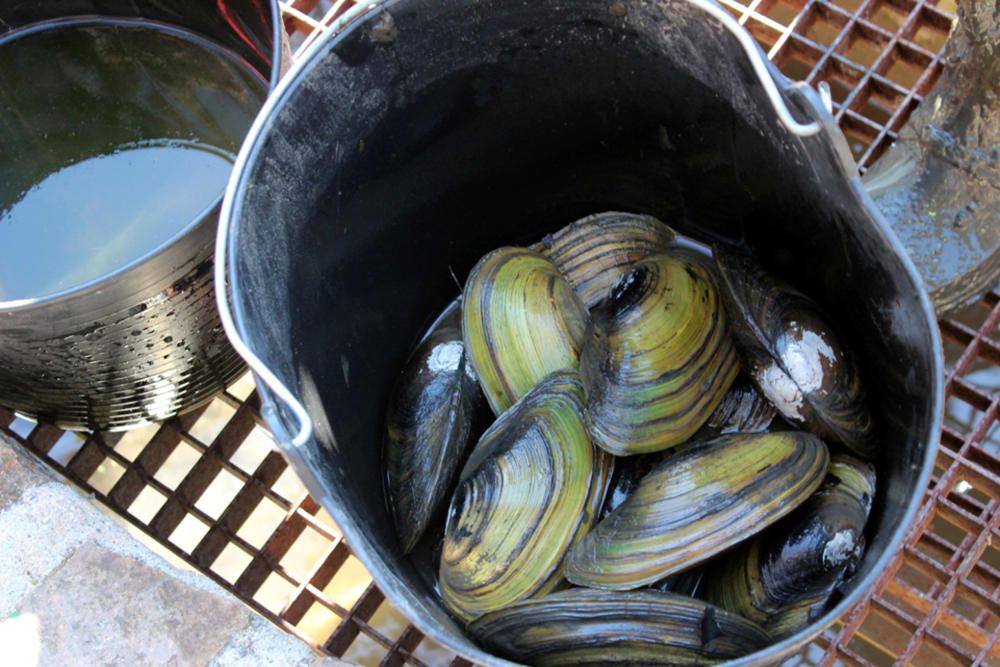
(260, 369)
(759, 66)
(304, 430)
(282, 393)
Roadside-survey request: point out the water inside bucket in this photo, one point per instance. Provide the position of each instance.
(116, 135)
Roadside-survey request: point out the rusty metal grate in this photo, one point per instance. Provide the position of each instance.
(880, 57)
(210, 488)
(938, 603)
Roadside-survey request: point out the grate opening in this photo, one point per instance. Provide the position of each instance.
(231, 563)
(873, 652)
(106, 476)
(177, 466)
(890, 15)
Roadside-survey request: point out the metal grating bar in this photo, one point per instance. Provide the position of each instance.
(210, 488)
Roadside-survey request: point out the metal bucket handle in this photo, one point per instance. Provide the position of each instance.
(264, 374)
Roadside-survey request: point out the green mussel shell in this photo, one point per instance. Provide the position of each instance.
(591, 627)
(783, 578)
(530, 489)
(521, 322)
(658, 357)
(793, 354)
(432, 411)
(701, 500)
(593, 253)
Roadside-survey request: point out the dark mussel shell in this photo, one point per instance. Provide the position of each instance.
(702, 499)
(593, 253)
(793, 354)
(743, 410)
(629, 471)
(432, 411)
(783, 578)
(531, 488)
(688, 583)
(591, 627)
(658, 357)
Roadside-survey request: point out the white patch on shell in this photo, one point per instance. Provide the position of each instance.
(445, 357)
(470, 372)
(782, 392)
(803, 354)
(839, 549)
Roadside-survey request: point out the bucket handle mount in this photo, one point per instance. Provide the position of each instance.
(760, 68)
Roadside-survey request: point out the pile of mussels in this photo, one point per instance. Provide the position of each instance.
(638, 498)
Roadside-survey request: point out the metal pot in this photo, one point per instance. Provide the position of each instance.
(144, 341)
(417, 136)
(939, 183)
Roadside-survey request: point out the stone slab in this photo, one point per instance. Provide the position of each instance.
(76, 588)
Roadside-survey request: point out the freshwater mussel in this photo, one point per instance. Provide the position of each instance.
(531, 488)
(521, 322)
(594, 253)
(628, 473)
(637, 443)
(704, 498)
(794, 355)
(743, 410)
(429, 426)
(783, 578)
(658, 358)
(592, 627)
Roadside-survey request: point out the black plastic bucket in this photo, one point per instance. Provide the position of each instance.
(424, 134)
(142, 341)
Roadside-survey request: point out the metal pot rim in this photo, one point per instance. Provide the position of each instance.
(207, 216)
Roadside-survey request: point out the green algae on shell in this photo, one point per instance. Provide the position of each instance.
(702, 499)
(521, 321)
(592, 627)
(531, 488)
(658, 357)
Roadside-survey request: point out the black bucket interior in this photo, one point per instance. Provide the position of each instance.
(410, 146)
